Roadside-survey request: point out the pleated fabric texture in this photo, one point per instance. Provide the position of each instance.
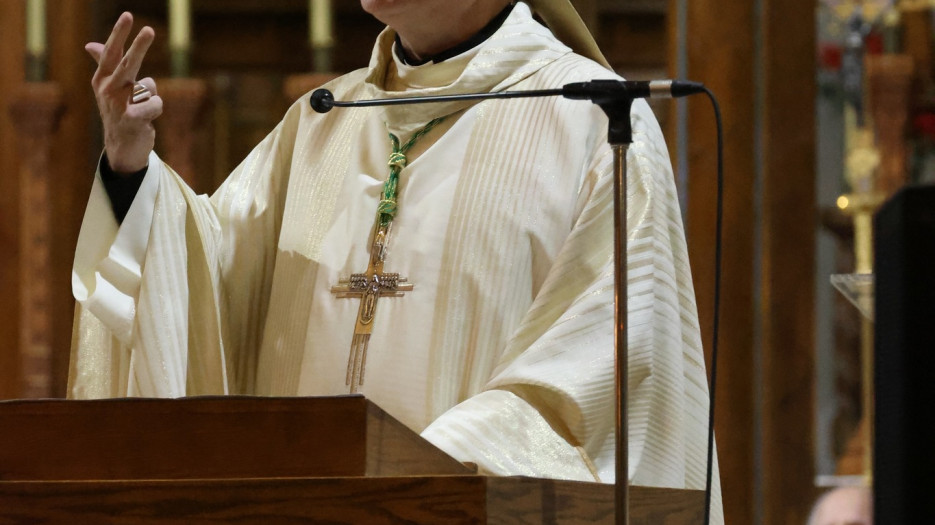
(502, 354)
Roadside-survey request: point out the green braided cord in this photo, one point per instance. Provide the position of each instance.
(388, 207)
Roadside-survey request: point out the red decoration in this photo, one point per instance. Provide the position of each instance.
(829, 56)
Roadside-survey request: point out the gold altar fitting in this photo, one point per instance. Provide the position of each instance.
(861, 207)
(862, 167)
(916, 5)
(863, 162)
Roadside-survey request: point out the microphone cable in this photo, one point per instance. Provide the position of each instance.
(718, 231)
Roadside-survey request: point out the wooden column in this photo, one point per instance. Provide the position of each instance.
(72, 166)
(789, 218)
(917, 43)
(296, 86)
(889, 82)
(758, 58)
(12, 27)
(719, 40)
(36, 113)
(77, 146)
(185, 100)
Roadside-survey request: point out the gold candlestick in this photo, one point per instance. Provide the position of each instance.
(321, 34)
(862, 163)
(916, 5)
(180, 30)
(35, 40)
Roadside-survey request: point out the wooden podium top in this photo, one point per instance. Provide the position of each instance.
(271, 460)
(210, 438)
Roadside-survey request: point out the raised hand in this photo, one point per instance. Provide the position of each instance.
(129, 134)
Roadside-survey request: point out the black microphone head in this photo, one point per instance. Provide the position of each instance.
(322, 100)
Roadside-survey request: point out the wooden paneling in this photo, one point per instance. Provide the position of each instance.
(414, 500)
(211, 438)
(254, 459)
(720, 53)
(244, 70)
(71, 67)
(765, 391)
(456, 499)
(789, 223)
(256, 36)
(36, 110)
(279, 31)
(11, 63)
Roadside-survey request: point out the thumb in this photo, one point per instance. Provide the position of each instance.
(95, 49)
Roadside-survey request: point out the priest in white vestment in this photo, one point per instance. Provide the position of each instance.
(501, 353)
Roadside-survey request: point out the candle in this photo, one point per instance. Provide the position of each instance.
(180, 25)
(319, 22)
(35, 28)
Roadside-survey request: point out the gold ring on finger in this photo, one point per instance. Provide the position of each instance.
(141, 93)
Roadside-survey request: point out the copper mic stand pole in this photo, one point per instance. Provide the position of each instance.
(619, 136)
(621, 354)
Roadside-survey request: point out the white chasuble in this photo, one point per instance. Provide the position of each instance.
(502, 352)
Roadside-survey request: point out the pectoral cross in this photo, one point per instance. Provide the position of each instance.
(369, 286)
(373, 284)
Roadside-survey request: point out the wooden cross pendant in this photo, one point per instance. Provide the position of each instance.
(369, 287)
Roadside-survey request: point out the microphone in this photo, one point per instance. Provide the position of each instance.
(322, 100)
(600, 90)
(597, 91)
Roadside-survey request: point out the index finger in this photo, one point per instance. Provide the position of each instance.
(113, 48)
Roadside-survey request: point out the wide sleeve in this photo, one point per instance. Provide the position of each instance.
(548, 409)
(156, 285)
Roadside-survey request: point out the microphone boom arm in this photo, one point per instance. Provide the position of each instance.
(322, 100)
(597, 91)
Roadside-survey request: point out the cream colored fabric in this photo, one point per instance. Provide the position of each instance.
(566, 24)
(502, 353)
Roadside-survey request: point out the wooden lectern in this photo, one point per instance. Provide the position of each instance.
(270, 460)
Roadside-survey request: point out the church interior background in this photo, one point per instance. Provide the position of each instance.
(828, 106)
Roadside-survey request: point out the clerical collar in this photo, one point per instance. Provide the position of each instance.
(470, 43)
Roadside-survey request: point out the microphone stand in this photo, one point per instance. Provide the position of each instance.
(615, 97)
(621, 350)
(620, 136)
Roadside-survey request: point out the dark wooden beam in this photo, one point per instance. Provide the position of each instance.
(789, 218)
(719, 40)
(765, 391)
(12, 26)
(70, 67)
